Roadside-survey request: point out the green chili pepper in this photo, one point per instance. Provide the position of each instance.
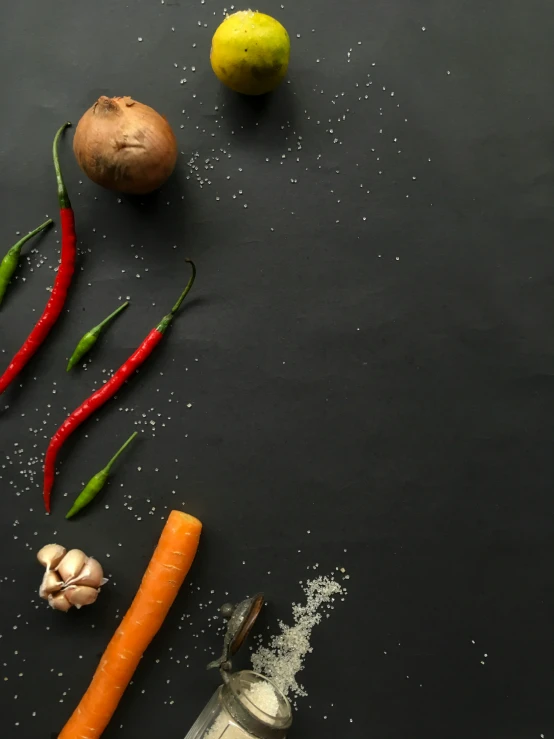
(91, 337)
(97, 482)
(8, 265)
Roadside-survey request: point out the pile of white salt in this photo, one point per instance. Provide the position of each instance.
(283, 659)
(261, 701)
(285, 656)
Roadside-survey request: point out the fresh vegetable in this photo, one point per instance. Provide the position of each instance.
(51, 555)
(98, 398)
(81, 595)
(71, 578)
(8, 265)
(164, 576)
(51, 583)
(125, 146)
(59, 602)
(71, 564)
(91, 337)
(250, 52)
(56, 301)
(91, 574)
(97, 482)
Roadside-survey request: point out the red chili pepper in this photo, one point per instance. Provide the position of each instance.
(56, 302)
(98, 398)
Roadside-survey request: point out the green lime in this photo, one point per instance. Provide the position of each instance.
(250, 52)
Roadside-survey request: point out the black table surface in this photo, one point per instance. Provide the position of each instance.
(363, 377)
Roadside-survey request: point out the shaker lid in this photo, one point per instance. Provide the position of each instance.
(241, 618)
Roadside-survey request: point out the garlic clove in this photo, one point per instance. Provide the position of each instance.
(80, 595)
(51, 583)
(72, 564)
(59, 602)
(91, 575)
(51, 555)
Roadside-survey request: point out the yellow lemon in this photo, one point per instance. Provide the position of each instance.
(250, 52)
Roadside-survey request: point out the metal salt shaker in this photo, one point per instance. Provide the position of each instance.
(232, 713)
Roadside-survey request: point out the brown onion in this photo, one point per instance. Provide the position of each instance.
(125, 146)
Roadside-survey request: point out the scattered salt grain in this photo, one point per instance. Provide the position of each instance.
(285, 656)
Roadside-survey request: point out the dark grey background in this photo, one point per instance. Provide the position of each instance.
(368, 354)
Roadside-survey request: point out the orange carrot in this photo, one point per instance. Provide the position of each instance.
(164, 576)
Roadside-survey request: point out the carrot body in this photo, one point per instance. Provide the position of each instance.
(164, 576)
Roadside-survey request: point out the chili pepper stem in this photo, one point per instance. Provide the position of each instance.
(166, 320)
(17, 247)
(108, 467)
(106, 320)
(187, 288)
(63, 197)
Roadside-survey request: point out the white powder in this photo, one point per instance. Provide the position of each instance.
(284, 658)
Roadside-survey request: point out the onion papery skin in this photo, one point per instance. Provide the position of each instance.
(126, 146)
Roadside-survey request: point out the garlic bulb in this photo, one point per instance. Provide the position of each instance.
(51, 555)
(72, 564)
(91, 574)
(51, 583)
(71, 578)
(81, 595)
(59, 602)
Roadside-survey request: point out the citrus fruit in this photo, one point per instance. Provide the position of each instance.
(250, 52)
